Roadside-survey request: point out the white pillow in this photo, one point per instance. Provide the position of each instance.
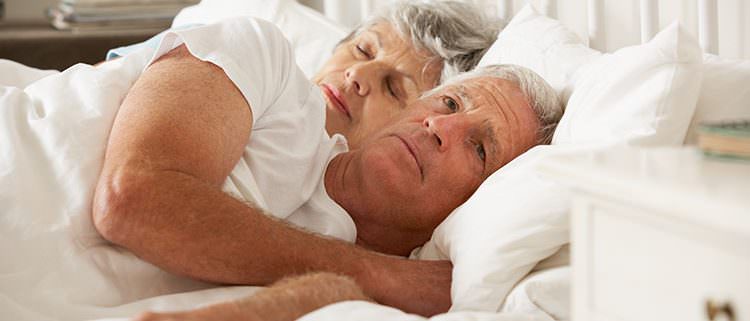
(312, 35)
(515, 219)
(725, 93)
(641, 95)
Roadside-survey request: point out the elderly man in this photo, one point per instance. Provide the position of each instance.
(187, 122)
(400, 184)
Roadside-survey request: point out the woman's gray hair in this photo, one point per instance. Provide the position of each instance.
(457, 32)
(543, 99)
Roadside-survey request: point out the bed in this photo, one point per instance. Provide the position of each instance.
(508, 243)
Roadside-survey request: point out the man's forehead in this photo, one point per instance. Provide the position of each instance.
(486, 92)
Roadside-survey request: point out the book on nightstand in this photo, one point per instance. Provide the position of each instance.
(80, 15)
(725, 139)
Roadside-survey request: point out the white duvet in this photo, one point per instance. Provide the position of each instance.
(53, 130)
(55, 266)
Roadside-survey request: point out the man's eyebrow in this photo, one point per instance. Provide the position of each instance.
(465, 99)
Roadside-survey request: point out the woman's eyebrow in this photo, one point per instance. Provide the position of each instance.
(377, 37)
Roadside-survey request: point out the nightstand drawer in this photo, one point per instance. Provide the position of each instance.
(646, 266)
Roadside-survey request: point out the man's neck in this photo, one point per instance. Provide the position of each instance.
(388, 241)
(370, 233)
(334, 179)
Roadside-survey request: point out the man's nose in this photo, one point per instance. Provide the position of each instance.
(361, 76)
(447, 130)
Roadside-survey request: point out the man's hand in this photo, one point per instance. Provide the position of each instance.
(288, 299)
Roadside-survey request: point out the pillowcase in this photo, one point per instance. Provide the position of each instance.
(638, 95)
(725, 93)
(514, 220)
(312, 36)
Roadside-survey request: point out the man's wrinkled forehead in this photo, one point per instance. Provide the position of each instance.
(476, 89)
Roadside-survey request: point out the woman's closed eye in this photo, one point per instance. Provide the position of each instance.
(362, 50)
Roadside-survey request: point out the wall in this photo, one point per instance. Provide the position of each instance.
(622, 23)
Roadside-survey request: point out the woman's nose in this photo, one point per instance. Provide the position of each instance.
(361, 76)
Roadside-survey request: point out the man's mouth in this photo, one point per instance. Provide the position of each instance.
(335, 98)
(413, 151)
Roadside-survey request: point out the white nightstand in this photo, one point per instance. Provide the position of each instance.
(657, 234)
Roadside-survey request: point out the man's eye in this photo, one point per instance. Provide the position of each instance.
(362, 51)
(451, 104)
(480, 152)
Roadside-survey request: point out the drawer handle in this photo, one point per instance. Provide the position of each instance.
(714, 310)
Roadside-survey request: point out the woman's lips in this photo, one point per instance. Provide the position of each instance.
(334, 96)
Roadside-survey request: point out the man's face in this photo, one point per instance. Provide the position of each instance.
(412, 174)
(372, 77)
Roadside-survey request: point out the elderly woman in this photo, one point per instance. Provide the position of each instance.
(385, 62)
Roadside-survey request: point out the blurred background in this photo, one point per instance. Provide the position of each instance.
(55, 34)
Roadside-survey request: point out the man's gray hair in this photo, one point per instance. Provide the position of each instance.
(543, 99)
(457, 32)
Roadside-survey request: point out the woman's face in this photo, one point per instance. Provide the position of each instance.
(372, 77)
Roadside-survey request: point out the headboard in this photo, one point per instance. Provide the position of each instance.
(722, 26)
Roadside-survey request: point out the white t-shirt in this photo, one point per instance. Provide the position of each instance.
(282, 168)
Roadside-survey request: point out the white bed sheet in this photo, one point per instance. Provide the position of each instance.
(541, 296)
(55, 266)
(18, 75)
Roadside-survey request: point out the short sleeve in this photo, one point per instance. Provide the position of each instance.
(252, 52)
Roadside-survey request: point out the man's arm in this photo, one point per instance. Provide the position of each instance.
(287, 300)
(178, 134)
